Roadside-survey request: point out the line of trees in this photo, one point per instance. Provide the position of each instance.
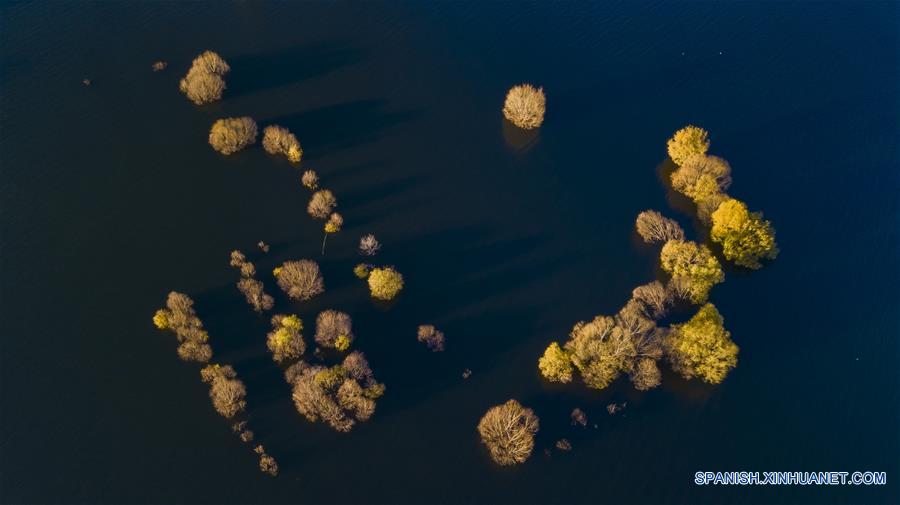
(252, 289)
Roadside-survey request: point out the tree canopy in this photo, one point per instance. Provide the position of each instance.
(694, 264)
(508, 432)
(745, 237)
(525, 106)
(687, 142)
(702, 347)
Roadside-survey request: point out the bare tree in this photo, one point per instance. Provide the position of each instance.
(322, 204)
(310, 179)
(369, 245)
(226, 391)
(525, 106)
(279, 140)
(254, 294)
(204, 82)
(301, 280)
(656, 299)
(508, 431)
(654, 227)
(432, 337)
(179, 317)
(332, 325)
(230, 135)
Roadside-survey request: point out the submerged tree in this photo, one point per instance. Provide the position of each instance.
(361, 270)
(267, 463)
(702, 347)
(204, 82)
(333, 225)
(701, 177)
(692, 263)
(525, 106)
(508, 432)
(431, 337)
(600, 351)
(745, 237)
(655, 299)
(251, 288)
(654, 227)
(556, 364)
(310, 179)
(179, 317)
(339, 396)
(225, 390)
(279, 140)
(369, 245)
(334, 329)
(385, 283)
(300, 280)
(646, 374)
(285, 341)
(322, 204)
(687, 142)
(230, 135)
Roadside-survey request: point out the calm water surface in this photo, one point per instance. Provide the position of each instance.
(110, 198)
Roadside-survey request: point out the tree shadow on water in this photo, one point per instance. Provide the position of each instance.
(258, 72)
(342, 126)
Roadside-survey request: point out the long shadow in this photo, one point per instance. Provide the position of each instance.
(342, 126)
(258, 72)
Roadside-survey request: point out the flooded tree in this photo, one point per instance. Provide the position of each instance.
(646, 375)
(226, 391)
(361, 270)
(745, 237)
(694, 264)
(369, 245)
(579, 418)
(285, 341)
(385, 283)
(279, 140)
(251, 288)
(701, 177)
(702, 347)
(340, 395)
(322, 204)
(300, 280)
(334, 330)
(179, 317)
(204, 82)
(686, 142)
(431, 337)
(230, 135)
(508, 432)
(654, 227)
(268, 465)
(333, 225)
(525, 106)
(600, 351)
(310, 180)
(655, 299)
(556, 365)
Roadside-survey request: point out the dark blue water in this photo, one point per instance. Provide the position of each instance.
(110, 198)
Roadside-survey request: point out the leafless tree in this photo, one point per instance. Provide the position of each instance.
(525, 106)
(226, 391)
(268, 465)
(279, 140)
(654, 227)
(204, 81)
(369, 245)
(300, 280)
(432, 337)
(310, 179)
(322, 204)
(332, 324)
(701, 176)
(508, 431)
(579, 417)
(656, 299)
(230, 135)
(646, 374)
(179, 317)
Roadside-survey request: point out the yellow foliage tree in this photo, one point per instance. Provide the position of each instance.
(694, 264)
(702, 347)
(687, 142)
(745, 237)
(555, 364)
(385, 283)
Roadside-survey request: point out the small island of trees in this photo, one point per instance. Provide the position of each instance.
(204, 82)
(278, 140)
(179, 317)
(230, 135)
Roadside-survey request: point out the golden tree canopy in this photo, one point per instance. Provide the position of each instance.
(508, 432)
(687, 142)
(702, 347)
(525, 106)
(385, 283)
(745, 237)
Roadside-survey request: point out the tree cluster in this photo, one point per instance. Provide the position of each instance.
(525, 106)
(334, 330)
(279, 140)
(285, 341)
(508, 432)
(230, 135)
(226, 391)
(179, 317)
(693, 266)
(204, 82)
(251, 288)
(431, 337)
(300, 280)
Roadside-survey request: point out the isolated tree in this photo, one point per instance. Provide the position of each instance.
(701, 177)
(369, 245)
(310, 179)
(525, 106)
(333, 225)
(555, 364)
(508, 432)
(646, 374)
(300, 280)
(179, 318)
(687, 142)
(230, 135)
(692, 263)
(204, 82)
(702, 347)
(322, 204)
(385, 283)
(361, 270)
(745, 237)
(655, 299)
(431, 337)
(332, 325)
(279, 140)
(267, 464)
(654, 227)
(226, 391)
(253, 291)
(285, 341)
